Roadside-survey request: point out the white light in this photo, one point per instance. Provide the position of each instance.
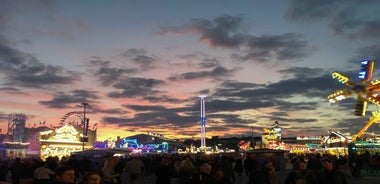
(340, 97)
(332, 100)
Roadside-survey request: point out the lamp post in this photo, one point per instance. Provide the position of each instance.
(84, 124)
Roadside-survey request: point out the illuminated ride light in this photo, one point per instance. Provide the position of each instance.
(366, 71)
(374, 86)
(373, 99)
(342, 79)
(339, 95)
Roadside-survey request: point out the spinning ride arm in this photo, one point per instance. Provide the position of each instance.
(375, 118)
(366, 90)
(339, 95)
(342, 79)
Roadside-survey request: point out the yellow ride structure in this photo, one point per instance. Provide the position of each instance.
(374, 119)
(366, 92)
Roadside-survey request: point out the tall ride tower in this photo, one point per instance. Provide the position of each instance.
(203, 121)
(16, 127)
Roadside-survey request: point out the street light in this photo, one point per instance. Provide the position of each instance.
(84, 123)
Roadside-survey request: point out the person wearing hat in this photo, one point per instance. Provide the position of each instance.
(331, 175)
(299, 174)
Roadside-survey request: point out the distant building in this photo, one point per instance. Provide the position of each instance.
(12, 150)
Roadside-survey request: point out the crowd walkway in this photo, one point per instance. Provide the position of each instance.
(147, 166)
(366, 178)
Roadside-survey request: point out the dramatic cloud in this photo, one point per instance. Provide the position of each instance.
(234, 97)
(109, 75)
(136, 87)
(371, 52)
(215, 73)
(302, 72)
(65, 100)
(199, 59)
(287, 88)
(354, 27)
(116, 111)
(141, 58)
(289, 46)
(22, 69)
(154, 118)
(309, 10)
(348, 18)
(12, 90)
(225, 32)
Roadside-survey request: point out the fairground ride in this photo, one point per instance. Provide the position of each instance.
(366, 90)
(16, 127)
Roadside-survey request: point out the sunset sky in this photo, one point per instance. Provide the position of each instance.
(141, 65)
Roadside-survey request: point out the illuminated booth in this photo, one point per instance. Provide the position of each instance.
(65, 140)
(12, 150)
(271, 136)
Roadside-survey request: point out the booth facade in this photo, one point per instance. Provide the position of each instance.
(62, 141)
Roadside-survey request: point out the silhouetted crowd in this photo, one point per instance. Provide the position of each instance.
(188, 169)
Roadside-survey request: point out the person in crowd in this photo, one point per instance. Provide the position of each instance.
(163, 172)
(74, 163)
(375, 163)
(299, 174)
(265, 173)
(119, 168)
(43, 175)
(3, 171)
(204, 176)
(134, 168)
(219, 178)
(64, 175)
(175, 172)
(342, 164)
(186, 170)
(91, 177)
(15, 169)
(52, 163)
(227, 168)
(249, 164)
(356, 163)
(239, 166)
(108, 171)
(86, 165)
(314, 163)
(331, 175)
